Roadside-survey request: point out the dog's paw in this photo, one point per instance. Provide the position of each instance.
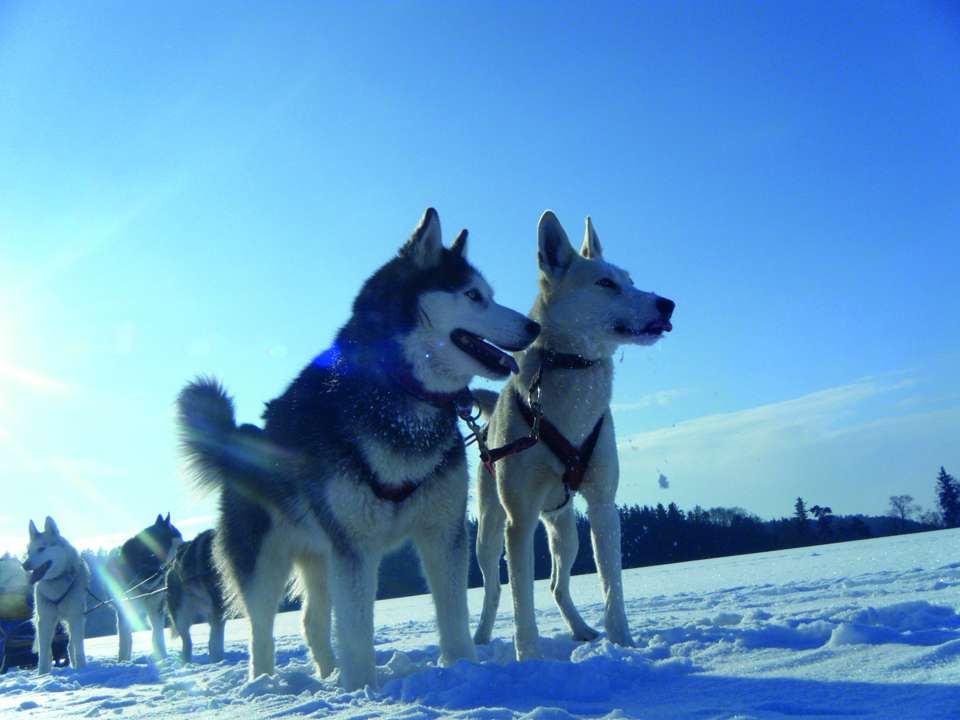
(586, 634)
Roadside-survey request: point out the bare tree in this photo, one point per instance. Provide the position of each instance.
(902, 507)
(931, 517)
(824, 516)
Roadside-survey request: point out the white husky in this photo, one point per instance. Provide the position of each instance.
(587, 308)
(61, 578)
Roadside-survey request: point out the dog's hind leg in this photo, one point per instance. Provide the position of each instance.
(261, 593)
(215, 644)
(316, 610)
(561, 528)
(354, 590)
(489, 549)
(181, 620)
(444, 556)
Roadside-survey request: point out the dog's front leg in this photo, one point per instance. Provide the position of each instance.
(155, 612)
(77, 626)
(520, 530)
(445, 556)
(46, 626)
(605, 534)
(354, 592)
(124, 632)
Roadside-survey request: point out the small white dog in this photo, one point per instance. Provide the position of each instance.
(587, 308)
(60, 578)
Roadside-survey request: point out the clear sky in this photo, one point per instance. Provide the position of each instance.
(203, 187)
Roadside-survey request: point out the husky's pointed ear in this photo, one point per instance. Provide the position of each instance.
(167, 519)
(459, 246)
(33, 530)
(49, 526)
(591, 243)
(425, 245)
(159, 520)
(554, 251)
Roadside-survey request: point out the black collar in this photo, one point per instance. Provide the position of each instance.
(407, 382)
(565, 361)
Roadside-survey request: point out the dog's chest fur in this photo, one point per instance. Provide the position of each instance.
(356, 426)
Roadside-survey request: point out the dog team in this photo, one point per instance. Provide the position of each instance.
(363, 452)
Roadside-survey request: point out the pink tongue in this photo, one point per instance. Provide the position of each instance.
(667, 326)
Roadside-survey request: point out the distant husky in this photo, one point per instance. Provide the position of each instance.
(60, 578)
(361, 453)
(194, 588)
(135, 577)
(587, 307)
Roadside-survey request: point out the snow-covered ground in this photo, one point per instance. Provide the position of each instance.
(864, 629)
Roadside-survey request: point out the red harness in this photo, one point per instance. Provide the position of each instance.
(575, 459)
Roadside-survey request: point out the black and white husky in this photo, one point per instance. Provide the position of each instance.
(193, 589)
(60, 578)
(134, 578)
(361, 453)
(587, 307)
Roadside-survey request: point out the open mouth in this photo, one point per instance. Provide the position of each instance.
(37, 575)
(491, 357)
(654, 328)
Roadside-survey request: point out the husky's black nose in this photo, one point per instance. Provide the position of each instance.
(665, 307)
(533, 329)
(27, 565)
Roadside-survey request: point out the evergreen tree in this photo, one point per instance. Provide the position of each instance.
(800, 518)
(948, 497)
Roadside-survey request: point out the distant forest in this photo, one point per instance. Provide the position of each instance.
(657, 535)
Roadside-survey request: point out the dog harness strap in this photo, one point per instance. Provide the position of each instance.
(575, 460)
(65, 592)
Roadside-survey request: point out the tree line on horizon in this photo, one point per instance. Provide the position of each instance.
(655, 535)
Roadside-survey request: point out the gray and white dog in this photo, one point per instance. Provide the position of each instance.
(194, 589)
(587, 308)
(135, 581)
(60, 578)
(361, 453)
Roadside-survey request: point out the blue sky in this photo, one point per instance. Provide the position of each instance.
(203, 188)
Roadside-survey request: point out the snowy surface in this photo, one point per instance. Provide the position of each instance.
(864, 629)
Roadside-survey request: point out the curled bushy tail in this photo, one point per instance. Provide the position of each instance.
(208, 431)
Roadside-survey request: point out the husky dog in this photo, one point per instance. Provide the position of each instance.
(587, 308)
(135, 578)
(60, 578)
(361, 453)
(193, 587)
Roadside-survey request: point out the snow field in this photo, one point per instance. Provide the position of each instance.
(865, 629)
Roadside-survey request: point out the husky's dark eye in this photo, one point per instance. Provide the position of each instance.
(474, 295)
(608, 283)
